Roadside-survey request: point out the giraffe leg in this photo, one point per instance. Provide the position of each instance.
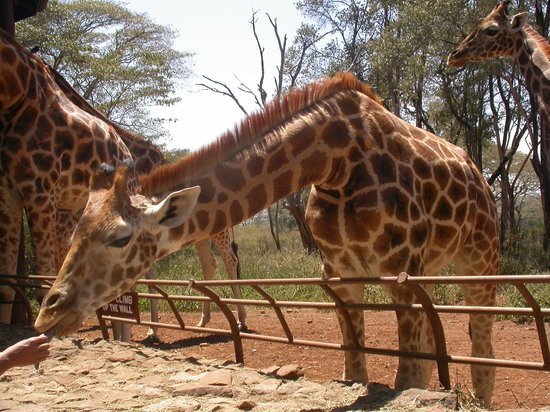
(152, 332)
(231, 261)
(415, 335)
(122, 331)
(11, 214)
(355, 367)
(481, 327)
(208, 264)
(126, 332)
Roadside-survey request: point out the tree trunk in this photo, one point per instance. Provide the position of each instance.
(294, 206)
(274, 225)
(541, 165)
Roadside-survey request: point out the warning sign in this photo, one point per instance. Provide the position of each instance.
(125, 306)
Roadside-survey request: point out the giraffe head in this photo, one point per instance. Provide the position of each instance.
(113, 245)
(492, 36)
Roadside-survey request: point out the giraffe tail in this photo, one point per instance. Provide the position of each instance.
(235, 249)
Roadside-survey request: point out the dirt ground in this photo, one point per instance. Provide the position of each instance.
(514, 388)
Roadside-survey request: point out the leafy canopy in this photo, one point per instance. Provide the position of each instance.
(119, 60)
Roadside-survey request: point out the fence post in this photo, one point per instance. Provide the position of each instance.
(214, 297)
(539, 321)
(437, 328)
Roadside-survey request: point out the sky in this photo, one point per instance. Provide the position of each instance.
(219, 35)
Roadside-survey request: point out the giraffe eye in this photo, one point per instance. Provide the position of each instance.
(120, 243)
(490, 31)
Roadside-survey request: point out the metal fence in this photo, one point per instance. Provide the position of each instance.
(441, 355)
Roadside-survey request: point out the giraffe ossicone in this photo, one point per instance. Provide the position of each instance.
(386, 198)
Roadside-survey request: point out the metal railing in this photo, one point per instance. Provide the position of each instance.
(414, 284)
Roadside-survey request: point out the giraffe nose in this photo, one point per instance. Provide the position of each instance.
(455, 55)
(52, 300)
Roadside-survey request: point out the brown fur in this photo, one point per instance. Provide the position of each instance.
(248, 131)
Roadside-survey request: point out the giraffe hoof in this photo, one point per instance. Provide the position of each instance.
(242, 328)
(151, 339)
(202, 323)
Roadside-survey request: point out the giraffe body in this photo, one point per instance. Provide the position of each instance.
(52, 139)
(387, 197)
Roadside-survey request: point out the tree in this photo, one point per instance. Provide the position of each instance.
(118, 60)
(291, 63)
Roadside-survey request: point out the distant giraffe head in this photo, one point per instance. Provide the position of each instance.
(492, 36)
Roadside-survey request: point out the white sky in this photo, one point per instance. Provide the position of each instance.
(220, 36)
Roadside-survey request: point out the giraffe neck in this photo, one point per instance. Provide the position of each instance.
(532, 55)
(315, 148)
(146, 155)
(21, 81)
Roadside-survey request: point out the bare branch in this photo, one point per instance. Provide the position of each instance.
(263, 93)
(282, 54)
(245, 89)
(223, 89)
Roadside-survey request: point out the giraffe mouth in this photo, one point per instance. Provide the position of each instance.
(58, 327)
(457, 58)
(455, 61)
(50, 333)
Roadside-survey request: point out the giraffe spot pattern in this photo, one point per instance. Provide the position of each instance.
(207, 190)
(236, 212)
(257, 199)
(396, 203)
(277, 161)
(335, 134)
(219, 222)
(255, 166)
(26, 121)
(230, 178)
(315, 162)
(282, 184)
(384, 168)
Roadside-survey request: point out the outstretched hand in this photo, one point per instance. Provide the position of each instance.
(26, 352)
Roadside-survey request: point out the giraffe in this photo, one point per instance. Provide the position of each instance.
(499, 35)
(51, 140)
(386, 197)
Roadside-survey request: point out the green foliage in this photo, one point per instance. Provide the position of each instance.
(174, 155)
(117, 59)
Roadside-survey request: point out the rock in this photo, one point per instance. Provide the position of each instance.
(288, 388)
(292, 372)
(153, 380)
(271, 370)
(248, 377)
(220, 377)
(175, 404)
(221, 405)
(187, 377)
(197, 389)
(246, 405)
(424, 397)
(268, 386)
(122, 356)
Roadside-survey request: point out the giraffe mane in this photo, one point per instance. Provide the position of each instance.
(539, 40)
(248, 131)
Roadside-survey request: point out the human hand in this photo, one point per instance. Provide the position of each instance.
(26, 352)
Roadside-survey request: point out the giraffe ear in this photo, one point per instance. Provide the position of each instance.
(174, 209)
(518, 21)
